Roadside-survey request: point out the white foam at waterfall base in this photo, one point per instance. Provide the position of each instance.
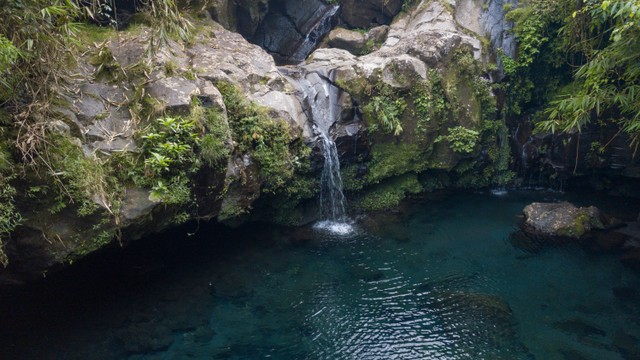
(334, 227)
(499, 192)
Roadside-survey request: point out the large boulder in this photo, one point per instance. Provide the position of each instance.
(355, 41)
(350, 40)
(562, 219)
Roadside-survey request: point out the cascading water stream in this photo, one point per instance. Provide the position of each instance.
(320, 98)
(332, 200)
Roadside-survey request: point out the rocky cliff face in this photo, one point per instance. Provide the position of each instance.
(215, 130)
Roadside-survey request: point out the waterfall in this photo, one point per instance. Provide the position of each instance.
(320, 99)
(332, 200)
(314, 35)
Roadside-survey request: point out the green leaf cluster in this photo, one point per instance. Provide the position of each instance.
(384, 110)
(608, 83)
(461, 139)
(170, 146)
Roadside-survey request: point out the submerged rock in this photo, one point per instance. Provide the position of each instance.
(579, 328)
(627, 345)
(485, 318)
(570, 354)
(631, 259)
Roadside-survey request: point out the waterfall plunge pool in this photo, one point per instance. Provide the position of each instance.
(440, 280)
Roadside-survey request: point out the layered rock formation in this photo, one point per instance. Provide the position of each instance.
(417, 114)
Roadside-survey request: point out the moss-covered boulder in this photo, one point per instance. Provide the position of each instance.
(562, 219)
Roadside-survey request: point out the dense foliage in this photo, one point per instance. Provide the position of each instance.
(40, 42)
(607, 84)
(598, 42)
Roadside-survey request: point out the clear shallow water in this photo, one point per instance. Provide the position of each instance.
(441, 280)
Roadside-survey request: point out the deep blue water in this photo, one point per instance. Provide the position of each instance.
(438, 280)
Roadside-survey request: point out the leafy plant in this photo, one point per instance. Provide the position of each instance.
(430, 102)
(84, 181)
(539, 67)
(170, 145)
(461, 139)
(385, 109)
(609, 81)
(9, 216)
(166, 20)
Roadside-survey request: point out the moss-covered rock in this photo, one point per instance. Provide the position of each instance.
(388, 194)
(562, 219)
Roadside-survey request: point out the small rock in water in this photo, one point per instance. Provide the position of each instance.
(145, 337)
(606, 241)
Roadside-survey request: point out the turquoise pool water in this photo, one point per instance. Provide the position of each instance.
(438, 280)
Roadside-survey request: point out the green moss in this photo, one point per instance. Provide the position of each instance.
(101, 239)
(268, 140)
(582, 223)
(358, 87)
(214, 150)
(350, 179)
(369, 47)
(80, 180)
(92, 34)
(389, 193)
(231, 210)
(393, 159)
(435, 180)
